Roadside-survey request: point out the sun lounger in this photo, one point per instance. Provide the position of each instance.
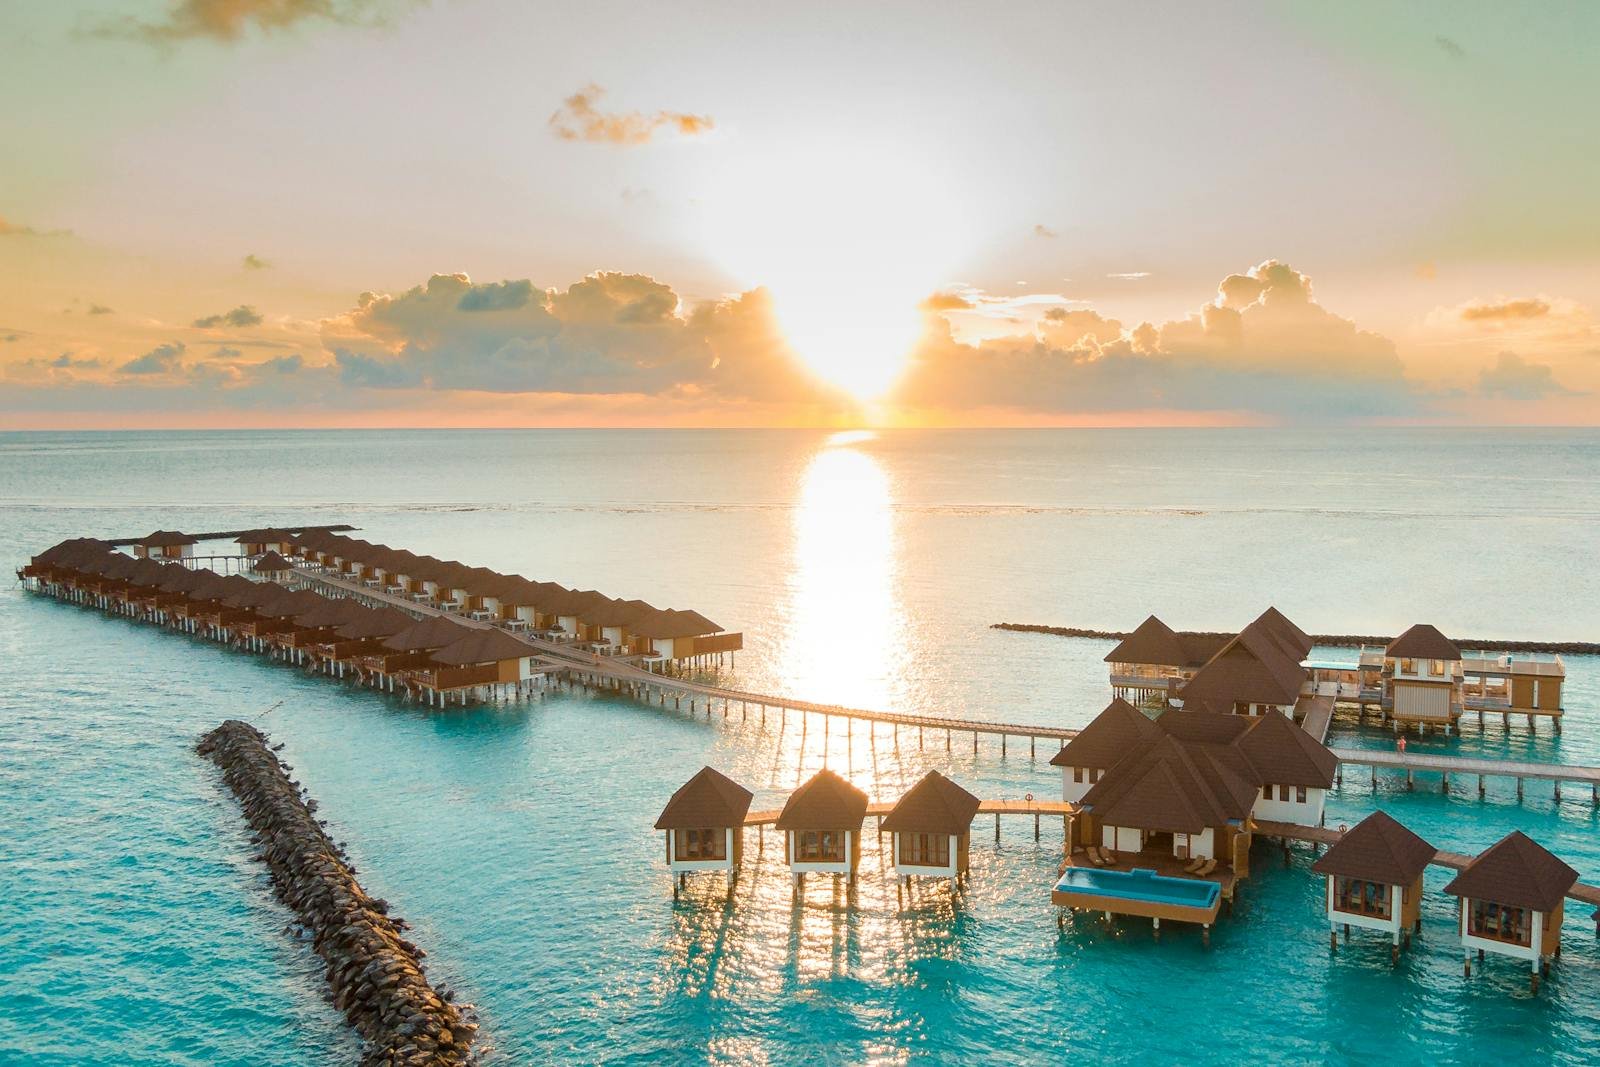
(1194, 865)
(1206, 868)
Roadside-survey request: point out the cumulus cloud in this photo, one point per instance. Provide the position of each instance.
(228, 21)
(15, 229)
(1261, 345)
(162, 359)
(947, 301)
(1449, 47)
(1514, 378)
(1532, 308)
(1041, 230)
(100, 309)
(580, 119)
(609, 333)
(241, 316)
(255, 262)
(1130, 275)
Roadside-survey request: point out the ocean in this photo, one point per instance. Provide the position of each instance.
(863, 568)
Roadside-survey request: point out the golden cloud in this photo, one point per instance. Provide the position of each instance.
(580, 119)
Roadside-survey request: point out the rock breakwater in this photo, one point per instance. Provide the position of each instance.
(374, 974)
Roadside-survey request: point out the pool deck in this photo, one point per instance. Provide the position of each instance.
(1160, 861)
(1165, 865)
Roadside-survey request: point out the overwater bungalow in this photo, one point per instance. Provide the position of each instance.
(932, 828)
(260, 542)
(704, 824)
(1155, 659)
(675, 634)
(315, 627)
(1111, 735)
(1374, 875)
(821, 824)
(277, 616)
(272, 567)
(1422, 678)
(1512, 903)
(410, 648)
(487, 659)
(165, 544)
(362, 637)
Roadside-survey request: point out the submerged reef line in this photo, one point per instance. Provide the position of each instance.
(374, 974)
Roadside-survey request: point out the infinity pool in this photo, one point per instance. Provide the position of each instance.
(1140, 884)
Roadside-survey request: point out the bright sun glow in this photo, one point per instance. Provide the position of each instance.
(849, 243)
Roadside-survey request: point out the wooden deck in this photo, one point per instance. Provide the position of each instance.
(1159, 860)
(1327, 835)
(768, 816)
(1314, 712)
(1446, 765)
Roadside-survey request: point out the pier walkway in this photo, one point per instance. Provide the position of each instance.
(621, 675)
(1324, 835)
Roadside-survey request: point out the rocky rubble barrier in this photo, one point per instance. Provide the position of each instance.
(374, 974)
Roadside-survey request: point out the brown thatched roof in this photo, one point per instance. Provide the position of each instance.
(1111, 735)
(271, 563)
(825, 802)
(166, 538)
(481, 646)
(1423, 642)
(381, 622)
(935, 805)
(1377, 849)
(1517, 871)
(436, 632)
(708, 800)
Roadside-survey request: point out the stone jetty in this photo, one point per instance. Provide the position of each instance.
(374, 974)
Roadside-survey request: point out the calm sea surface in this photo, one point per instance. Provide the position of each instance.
(862, 568)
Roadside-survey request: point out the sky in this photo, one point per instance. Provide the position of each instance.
(508, 213)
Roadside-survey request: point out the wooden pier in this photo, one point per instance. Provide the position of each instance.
(1445, 766)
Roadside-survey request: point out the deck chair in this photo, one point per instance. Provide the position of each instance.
(1194, 865)
(1097, 856)
(1206, 868)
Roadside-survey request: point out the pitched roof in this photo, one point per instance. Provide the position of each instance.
(1111, 735)
(673, 623)
(1518, 871)
(1171, 786)
(1284, 754)
(382, 622)
(258, 595)
(481, 646)
(73, 548)
(1154, 642)
(265, 535)
(333, 613)
(163, 538)
(709, 799)
(1259, 666)
(1422, 642)
(271, 563)
(435, 632)
(825, 802)
(180, 579)
(288, 605)
(935, 805)
(1377, 849)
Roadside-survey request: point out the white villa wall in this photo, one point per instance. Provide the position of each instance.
(1390, 926)
(918, 869)
(809, 867)
(1291, 810)
(684, 866)
(1529, 952)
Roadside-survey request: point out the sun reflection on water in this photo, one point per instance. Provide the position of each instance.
(844, 635)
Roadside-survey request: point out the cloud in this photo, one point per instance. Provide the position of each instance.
(99, 309)
(1449, 47)
(1130, 276)
(946, 301)
(579, 119)
(1515, 378)
(229, 21)
(1041, 230)
(12, 229)
(1427, 271)
(225, 352)
(1532, 308)
(241, 316)
(162, 359)
(255, 262)
(1262, 346)
(609, 333)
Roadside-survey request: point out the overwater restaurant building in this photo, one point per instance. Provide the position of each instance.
(1257, 671)
(164, 544)
(1512, 903)
(260, 542)
(704, 825)
(1422, 678)
(932, 828)
(1374, 875)
(821, 824)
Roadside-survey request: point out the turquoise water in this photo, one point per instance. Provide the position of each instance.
(1140, 884)
(135, 928)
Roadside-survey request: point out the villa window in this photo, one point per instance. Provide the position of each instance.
(705, 844)
(819, 846)
(1497, 922)
(1438, 668)
(1283, 792)
(1266, 791)
(1180, 846)
(1408, 666)
(1360, 897)
(1300, 794)
(925, 850)
(1077, 775)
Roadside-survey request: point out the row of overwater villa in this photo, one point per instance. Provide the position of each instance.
(471, 640)
(1160, 816)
